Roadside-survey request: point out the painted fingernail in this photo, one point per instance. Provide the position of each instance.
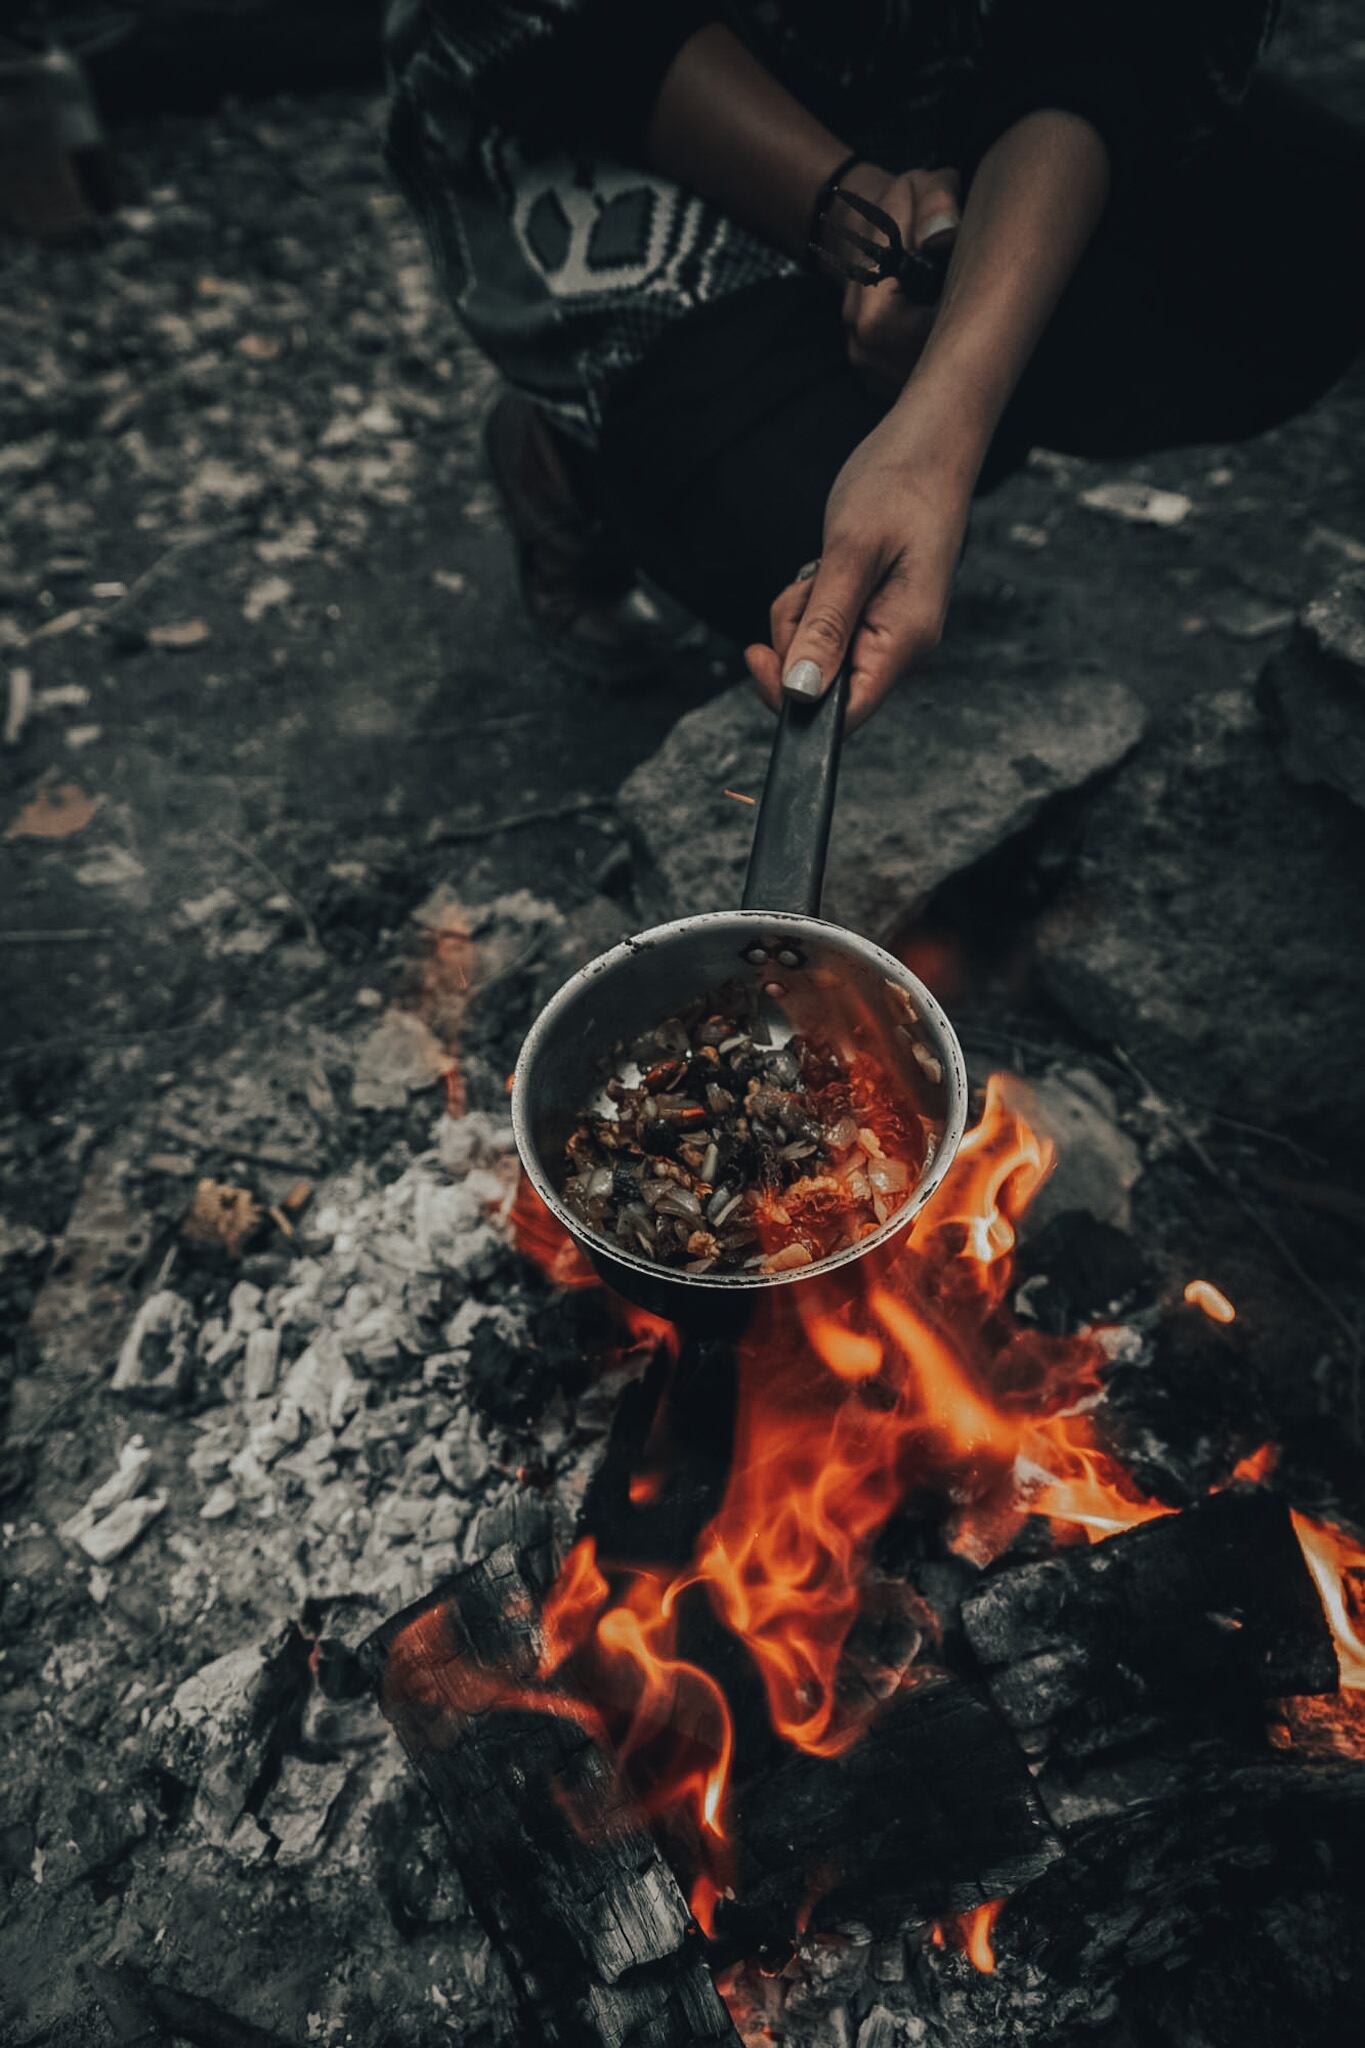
(940, 224)
(803, 679)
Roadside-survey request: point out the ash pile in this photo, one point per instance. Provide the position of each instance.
(295, 1454)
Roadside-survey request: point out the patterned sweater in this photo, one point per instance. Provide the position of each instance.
(517, 126)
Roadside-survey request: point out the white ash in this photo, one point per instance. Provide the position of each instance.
(157, 1359)
(118, 1511)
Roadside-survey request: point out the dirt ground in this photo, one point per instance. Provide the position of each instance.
(278, 691)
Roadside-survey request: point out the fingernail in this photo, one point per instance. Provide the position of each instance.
(803, 679)
(940, 224)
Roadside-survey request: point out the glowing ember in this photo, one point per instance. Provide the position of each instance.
(1212, 1300)
(1256, 1467)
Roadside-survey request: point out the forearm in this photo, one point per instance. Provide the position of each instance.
(723, 127)
(1032, 208)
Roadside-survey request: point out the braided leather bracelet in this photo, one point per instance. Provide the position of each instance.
(824, 199)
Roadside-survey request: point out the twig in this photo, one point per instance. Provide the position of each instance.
(1301, 1152)
(187, 542)
(1253, 1215)
(263, 868)
(54, 938)
(516, 821)
(260, 1155)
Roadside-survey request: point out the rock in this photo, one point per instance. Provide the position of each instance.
(1214, 926)
(179, 635)
(1140, 504)
(1314, 691)
(244, 1317)
(321, 1384)
(1242, 616)
(1098, 1165)
(462, 1456)
(120, 1530)
(400, 1056)
(953, 765)
(157, 1359)
(299, 1804)
(114, 1516)
(20, 1243)
(477, 1139)
(266, 594)
(261, 1364)
(219, 1724)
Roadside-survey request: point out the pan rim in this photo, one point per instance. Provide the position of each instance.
(931, 1011)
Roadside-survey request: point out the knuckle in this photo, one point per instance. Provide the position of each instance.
(824, 626)
(923, 634)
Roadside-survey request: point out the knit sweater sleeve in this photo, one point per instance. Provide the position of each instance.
(1154, 77)
(575, 73)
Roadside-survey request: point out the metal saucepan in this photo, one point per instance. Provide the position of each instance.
(808, 971)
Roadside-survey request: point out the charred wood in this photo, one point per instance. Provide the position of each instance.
(689, 1400)
(931, 1811)
(574, 1894)
(1231, 1916)
(1197, 1617)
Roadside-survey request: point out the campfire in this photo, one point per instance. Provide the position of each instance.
(866, 1615)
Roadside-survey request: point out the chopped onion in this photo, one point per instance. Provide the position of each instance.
(790, 1256)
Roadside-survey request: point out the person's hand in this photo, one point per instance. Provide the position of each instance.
(894, 526)
(885, 329)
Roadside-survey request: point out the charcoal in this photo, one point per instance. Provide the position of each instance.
(1208, 1613)
(931, 1811)
(595, 1933)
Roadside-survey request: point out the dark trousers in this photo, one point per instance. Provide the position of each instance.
(1211, 305)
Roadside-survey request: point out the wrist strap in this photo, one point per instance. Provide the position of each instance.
(824, 199)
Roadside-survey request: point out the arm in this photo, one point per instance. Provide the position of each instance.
(723, 127)
(898, 510)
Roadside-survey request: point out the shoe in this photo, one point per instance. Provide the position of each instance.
(577, 585)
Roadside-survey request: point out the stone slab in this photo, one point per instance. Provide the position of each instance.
(952, 766)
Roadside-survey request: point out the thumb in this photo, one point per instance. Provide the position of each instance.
(828, 624)
(938, 208)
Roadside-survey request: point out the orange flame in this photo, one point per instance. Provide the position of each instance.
(976, 1930)
(1256, 1467)
(925, 1384)
(1337, 1561)
(541, 1238)
(1085, 1486)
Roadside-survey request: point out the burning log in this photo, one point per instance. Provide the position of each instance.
(573, 1893)
(1209, 1613)
(930, 1812)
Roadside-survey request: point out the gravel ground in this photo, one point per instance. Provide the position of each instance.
(292, 802)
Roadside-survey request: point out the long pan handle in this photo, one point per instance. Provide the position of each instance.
(791, 837)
